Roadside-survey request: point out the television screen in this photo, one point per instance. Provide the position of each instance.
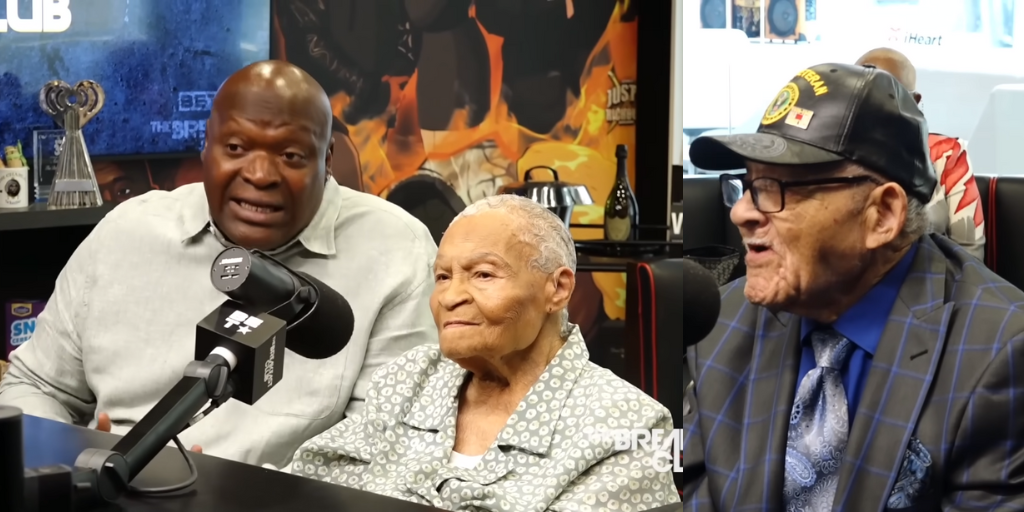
(159, 62)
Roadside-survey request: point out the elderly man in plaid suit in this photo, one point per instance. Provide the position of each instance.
(863, 364)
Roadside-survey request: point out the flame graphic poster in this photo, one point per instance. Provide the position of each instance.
(466, 95)
(470, 94)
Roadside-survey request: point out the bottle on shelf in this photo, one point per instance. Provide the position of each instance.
(621, 215)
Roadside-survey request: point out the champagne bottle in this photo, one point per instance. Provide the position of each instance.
(621, 214)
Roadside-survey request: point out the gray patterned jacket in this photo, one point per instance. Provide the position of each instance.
(549, 456)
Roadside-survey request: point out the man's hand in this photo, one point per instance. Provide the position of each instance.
(103, 422)
(103, 425)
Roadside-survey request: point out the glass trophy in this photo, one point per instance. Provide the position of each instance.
(74, 185)
(46, 147)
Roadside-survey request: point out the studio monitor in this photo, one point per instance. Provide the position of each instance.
(713, 14)
(785, 19)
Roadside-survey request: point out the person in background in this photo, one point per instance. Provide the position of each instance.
(120, 181)
(119, 329)
(508, 414)
(955, 209)
(862, 364)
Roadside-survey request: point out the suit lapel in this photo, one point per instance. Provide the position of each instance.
(901, 374)
(772, 387)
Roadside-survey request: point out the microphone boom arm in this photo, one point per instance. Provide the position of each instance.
(202, 382)
(240, 341)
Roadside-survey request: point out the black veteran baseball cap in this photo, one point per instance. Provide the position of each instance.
(829, 113)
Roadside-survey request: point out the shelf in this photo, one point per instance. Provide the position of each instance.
(592, 263)
(38, 217)
(605, 267)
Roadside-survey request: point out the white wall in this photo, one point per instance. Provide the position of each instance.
(724, 81)
(685, 15)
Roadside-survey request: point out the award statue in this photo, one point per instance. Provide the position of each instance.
(74, 185)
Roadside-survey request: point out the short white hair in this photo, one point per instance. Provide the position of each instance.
(538, 227)
(916, 223)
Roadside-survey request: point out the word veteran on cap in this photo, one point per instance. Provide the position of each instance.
(815, 80)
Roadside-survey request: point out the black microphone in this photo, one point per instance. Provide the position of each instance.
(266, 297)
(701, 303)
(240, 348)
(317, 315)
(329, 322)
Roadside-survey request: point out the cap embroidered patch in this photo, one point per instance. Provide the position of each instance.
(799, 117)
(782, 104)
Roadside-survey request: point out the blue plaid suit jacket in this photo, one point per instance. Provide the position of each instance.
(940, 424)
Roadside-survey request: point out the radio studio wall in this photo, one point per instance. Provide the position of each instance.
(783, 20)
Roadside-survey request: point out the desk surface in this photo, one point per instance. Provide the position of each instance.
(223, 485)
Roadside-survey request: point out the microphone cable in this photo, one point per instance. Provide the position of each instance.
(214, 404)
(193, 475)
(198, 417)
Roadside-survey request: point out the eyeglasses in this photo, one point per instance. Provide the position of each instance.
(769, 194)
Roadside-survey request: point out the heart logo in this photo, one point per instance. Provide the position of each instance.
(58, 99)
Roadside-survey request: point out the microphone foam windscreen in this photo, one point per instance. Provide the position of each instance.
(325, 331)
(701, 303)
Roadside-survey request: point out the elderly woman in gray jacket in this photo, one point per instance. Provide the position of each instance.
(508, 413)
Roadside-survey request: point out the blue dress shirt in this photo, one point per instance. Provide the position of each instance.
(863, 325)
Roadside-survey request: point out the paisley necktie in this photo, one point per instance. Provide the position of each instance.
(818, 427)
